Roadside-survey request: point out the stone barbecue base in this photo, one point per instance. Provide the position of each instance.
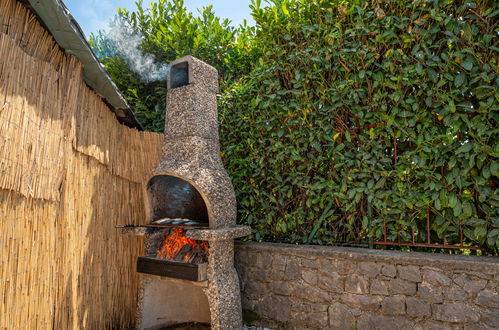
(190, 183)
(310, 287)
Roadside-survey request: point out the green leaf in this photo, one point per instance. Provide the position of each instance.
(459, 79)
(437, 204)
(432, 75)
(467, 210)
(480, 232)
(493, 233)
(452, 200)
(468, 65)
(486, 171)
(443, 197)
(494, 168)
(457, 209)
(464, 148)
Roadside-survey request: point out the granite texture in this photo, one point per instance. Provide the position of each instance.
(137, 231)
(223, 286)
(191, 111)
(144, 282)
(218, 234)
(317, 287)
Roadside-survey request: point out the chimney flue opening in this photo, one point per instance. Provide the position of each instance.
(179, 75)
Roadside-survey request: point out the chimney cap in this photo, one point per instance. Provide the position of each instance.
(189, 70)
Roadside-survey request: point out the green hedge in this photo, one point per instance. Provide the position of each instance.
(362, 113)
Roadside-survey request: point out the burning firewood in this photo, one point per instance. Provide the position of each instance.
(177, 247)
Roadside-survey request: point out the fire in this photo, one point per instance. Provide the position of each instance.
(174, 244)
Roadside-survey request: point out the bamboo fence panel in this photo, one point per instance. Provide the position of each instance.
(28, 246)
(69, 173)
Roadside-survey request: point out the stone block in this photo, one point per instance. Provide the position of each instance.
(332, 282)
(275, 275)
(292, 271)
(379, 322)
(310, 263)
(455, 312)
(478, 274)
(253, 259)
(346, 267)
(430, 293)
(327, 264)
(436, 277)
(399, 286)
(379, 287)
(369, 269)
(274, 307)
(488, 299)
(389, 270)
(384, 278)
(356, 284)
(492, 286)
(470, 284)
(409, 273)
(393, 305)
(340, 266)
(455, 293)
(300, 306)
(341, 317)
(282, 288)
(435, 325)
(417, 307)
(309, 276)
(260, 261)
(367, 303)
(255, 290)
(490, 317)
(311, 294)
(258, 275)
(310, 320)
(279, 263)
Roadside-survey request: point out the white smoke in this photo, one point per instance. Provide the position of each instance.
(126, 43)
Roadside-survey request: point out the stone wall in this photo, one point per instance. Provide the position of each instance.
(309, 287)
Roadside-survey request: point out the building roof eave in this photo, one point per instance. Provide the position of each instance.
(69, 36)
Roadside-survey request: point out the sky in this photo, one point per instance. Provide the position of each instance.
(93, 15)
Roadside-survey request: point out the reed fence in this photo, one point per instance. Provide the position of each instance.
(69, 172)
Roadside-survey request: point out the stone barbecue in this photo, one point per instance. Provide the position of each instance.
(188, 270)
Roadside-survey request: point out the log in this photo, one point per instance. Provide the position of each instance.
(173, 269)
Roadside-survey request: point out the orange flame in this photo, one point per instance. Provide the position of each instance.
(175, 241)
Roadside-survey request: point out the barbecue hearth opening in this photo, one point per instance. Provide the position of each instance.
(176, 201)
